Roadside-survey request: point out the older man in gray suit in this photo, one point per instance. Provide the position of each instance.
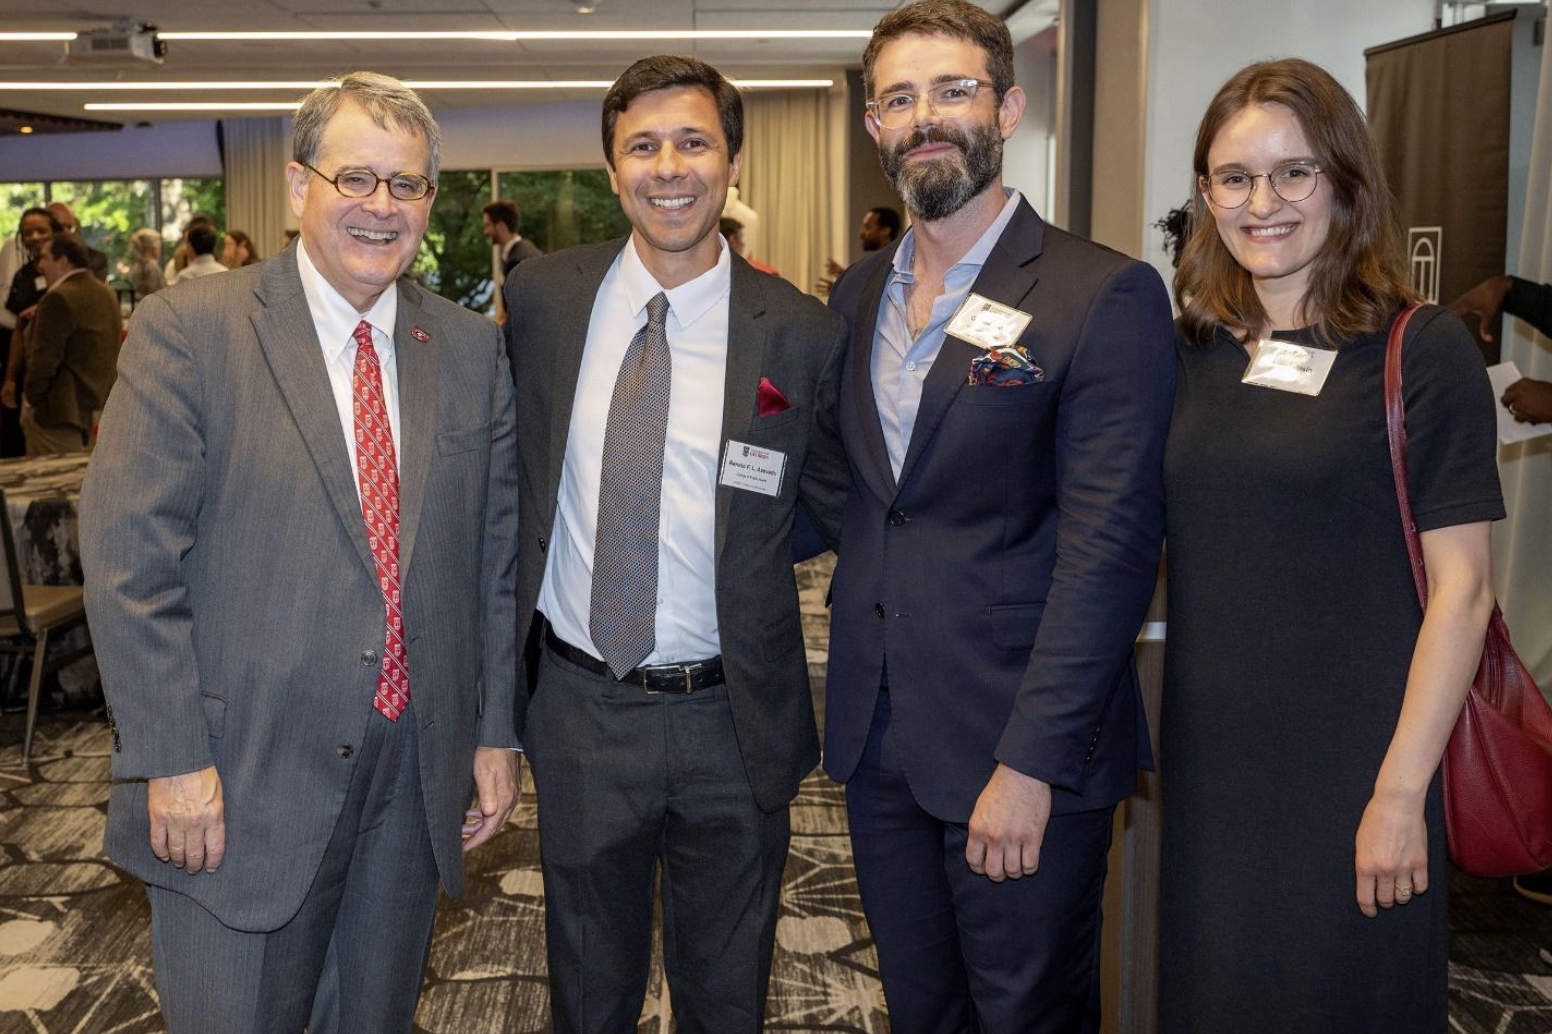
(299, 543)
(677, 406)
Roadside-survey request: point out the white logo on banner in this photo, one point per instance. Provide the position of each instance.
(1424, 246)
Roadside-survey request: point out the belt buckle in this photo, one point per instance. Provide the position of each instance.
(646, 685)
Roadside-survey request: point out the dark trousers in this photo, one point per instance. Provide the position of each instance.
(628, 782)
(960, 954)
(370, 908)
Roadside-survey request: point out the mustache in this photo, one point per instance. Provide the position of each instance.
(940, 134)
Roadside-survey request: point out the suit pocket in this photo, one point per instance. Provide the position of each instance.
(766, 423)
(1014, 624)
(450, 443)
(215, 714)
(1005, 395)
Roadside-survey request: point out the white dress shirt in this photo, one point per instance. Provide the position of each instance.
(335, 320)
(686, 622)
(199, 265)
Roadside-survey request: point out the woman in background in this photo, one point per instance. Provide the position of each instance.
(22, 294)
(1307, 698)
(145, 264)
(238, 250)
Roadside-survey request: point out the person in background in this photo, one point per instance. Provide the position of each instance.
(288, 239)
(880, 227)
(499, 221)
(1307, 697)
(732, 231)
(97, 262)
(1004, 410)
(71, 351)
(201, 242)
(237, 250)
(301, 604)
(145, 264)
(23, 289)
(1529, 402)
(180, 254)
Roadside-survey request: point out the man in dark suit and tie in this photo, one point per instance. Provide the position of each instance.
(299, 538)
(675, 408)
(1004, 409)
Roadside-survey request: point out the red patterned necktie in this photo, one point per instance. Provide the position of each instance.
(378, 475)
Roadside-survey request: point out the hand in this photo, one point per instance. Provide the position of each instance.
(823, 285)
(1484, 301)
(8, 394)
(1008, 825)
(833, 269)
(28, 313)
(497, 786)
(1529, 402)
(188, 820)
(1391, 856)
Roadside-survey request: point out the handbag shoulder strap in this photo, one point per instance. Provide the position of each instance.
(1395, 431)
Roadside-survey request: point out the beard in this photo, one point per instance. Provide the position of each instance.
(938, 187)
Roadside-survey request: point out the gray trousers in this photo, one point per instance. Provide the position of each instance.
(628, 782)
(370, 908)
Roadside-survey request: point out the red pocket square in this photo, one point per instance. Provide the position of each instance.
(772, 401)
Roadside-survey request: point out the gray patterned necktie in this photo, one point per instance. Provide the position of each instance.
(630, 490)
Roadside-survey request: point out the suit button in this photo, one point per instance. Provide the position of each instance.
(897, 518)
(878, 608)
(543, 545)
(369, 657)
(343, 750)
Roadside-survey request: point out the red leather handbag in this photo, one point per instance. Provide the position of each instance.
(1498, 764)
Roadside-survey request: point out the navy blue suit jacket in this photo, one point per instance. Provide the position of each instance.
(1004, 576)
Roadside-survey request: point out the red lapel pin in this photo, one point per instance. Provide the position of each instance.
(419, 335)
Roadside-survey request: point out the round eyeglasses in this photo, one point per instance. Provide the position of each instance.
(360, 183)
(1291, 181)
(946, 100)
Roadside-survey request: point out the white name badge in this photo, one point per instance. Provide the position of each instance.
(752, 468)
(40, 283)
(986, 323)
(1287, 366)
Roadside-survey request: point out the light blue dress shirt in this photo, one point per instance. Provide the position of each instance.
(900, 364)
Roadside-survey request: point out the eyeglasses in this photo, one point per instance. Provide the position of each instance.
(946, 100)
(359, 183)
(1291, 181)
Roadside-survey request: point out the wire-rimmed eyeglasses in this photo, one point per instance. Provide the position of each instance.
(360, 183)
(1291, 181)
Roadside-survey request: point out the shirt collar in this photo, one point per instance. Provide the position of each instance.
(973, 259)
(67, 276)
(336, 318)
(689, 301)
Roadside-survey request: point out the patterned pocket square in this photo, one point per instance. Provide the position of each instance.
(1005, 367)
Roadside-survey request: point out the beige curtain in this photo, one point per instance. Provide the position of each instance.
(1522, 545)
(787, 179)
(254, 152)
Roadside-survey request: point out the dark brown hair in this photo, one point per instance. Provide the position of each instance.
(247, 242)
(953, 18)
(502, 211)
(1359, 278)
(667, 72)
(69, 247)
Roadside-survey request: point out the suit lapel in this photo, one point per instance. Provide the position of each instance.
(875, 457)
(741, 383)
(1008, 276)
(416, 361)
(290, 343)
(569, 334)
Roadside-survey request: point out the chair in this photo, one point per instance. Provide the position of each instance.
(25, 629)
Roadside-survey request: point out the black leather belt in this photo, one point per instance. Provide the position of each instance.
(654, 678)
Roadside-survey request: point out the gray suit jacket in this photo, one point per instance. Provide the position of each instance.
(775, 332)
(232, 594)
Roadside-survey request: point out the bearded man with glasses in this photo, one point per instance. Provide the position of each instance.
(299, 538)
(1004, 411)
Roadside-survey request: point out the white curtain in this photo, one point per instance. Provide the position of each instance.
(788, 179)
(254, 152)
(1522, 544)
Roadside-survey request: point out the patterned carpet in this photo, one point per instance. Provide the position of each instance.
(75, 931)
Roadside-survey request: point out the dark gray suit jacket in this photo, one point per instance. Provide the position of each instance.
(232, 594)
(774, 331)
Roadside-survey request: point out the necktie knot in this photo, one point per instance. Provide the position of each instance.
(657, 311)
(363, 334)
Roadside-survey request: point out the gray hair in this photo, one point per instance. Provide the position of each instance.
(389, 103)
(144, 240)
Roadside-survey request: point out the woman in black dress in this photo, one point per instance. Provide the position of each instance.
(1307, 698)
(37, 225)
